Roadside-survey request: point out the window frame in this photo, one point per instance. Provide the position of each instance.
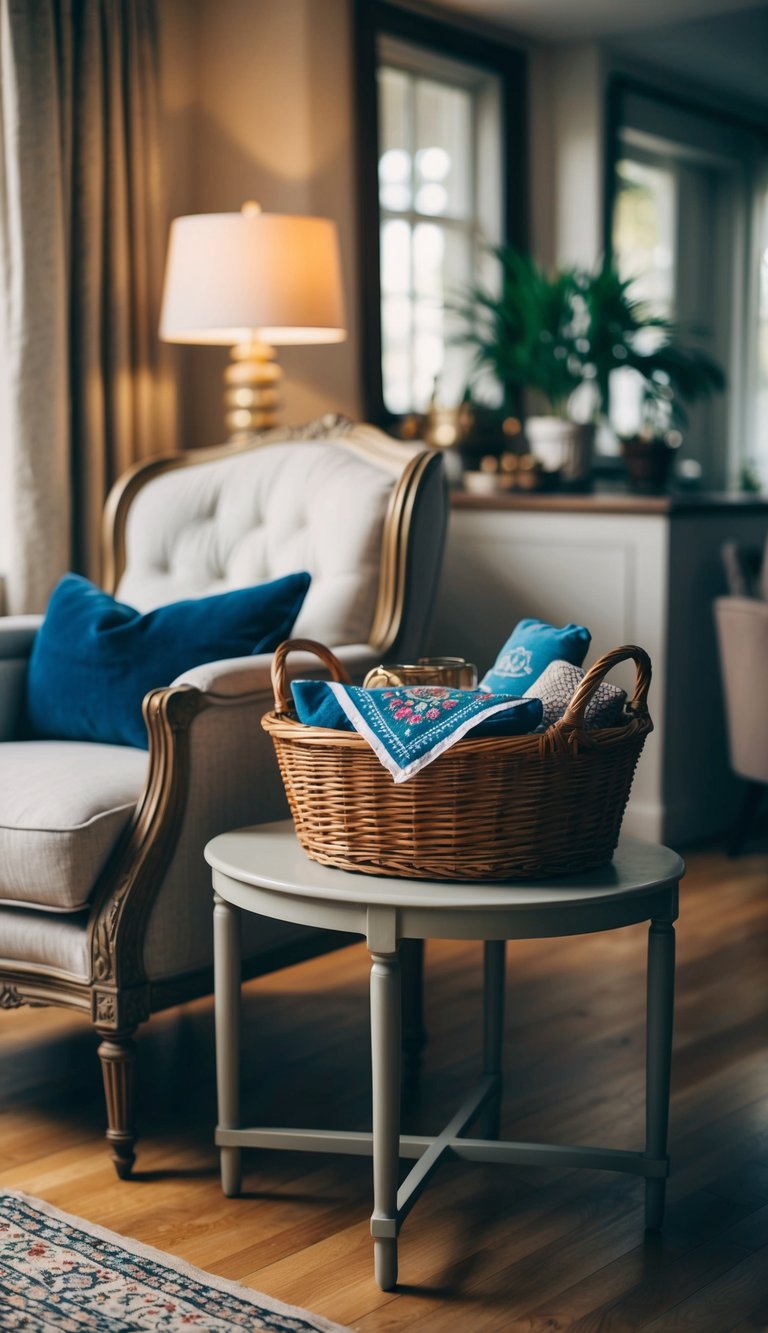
(377, 18)
(740, 365)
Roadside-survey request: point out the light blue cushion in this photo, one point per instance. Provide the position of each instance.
(530, 648)
(94, 659)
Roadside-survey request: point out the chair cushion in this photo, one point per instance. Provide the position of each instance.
(94, 659)
(63, 804)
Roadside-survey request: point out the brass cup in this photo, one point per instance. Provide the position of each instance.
(452, 672)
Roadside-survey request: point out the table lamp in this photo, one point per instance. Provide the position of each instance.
(252, 280)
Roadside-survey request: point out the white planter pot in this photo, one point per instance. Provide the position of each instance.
(561, 446)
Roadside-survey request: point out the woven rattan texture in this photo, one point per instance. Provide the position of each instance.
(494, 808)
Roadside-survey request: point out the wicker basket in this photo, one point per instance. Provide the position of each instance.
(511, 807)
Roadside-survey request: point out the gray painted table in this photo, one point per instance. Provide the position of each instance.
(264, 870)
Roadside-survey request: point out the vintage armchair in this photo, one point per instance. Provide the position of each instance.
(105, 900)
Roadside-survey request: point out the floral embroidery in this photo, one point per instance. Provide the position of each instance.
(415, 703)
(410, 726)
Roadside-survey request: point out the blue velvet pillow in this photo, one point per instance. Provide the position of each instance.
(94, 659)
(530, 648)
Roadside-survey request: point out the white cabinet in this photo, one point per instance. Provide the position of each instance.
(639, 571)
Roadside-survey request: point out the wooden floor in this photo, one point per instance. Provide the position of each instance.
(485, 1248)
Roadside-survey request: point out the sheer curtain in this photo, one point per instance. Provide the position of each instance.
(81, 233)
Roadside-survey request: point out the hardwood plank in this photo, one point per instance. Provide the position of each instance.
(721, 1303)
(522, 1249)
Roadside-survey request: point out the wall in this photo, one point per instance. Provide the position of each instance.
(567, 137)
(257, 102)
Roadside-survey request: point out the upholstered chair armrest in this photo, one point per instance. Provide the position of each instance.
(212, 767)
(17, 634)
(742, 630)
(244, 675)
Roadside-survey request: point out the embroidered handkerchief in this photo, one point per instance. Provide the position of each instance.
(407, 727)
(530, 648)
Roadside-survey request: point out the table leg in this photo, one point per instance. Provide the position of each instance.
(414, 1032)
(385, 1060)
(494, 961)
(661, 985)
(227, 976)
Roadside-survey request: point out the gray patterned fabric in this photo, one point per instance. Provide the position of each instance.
(556, 687)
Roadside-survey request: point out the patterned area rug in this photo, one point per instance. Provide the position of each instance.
(59, 1274)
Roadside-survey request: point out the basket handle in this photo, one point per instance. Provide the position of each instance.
(283, 701)
(573, 718)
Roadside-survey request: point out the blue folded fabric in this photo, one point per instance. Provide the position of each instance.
(407, 727)
(530, 648)
(94, 659)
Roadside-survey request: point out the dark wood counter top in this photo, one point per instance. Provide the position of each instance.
(612, 502)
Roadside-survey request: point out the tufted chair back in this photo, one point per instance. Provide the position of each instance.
(339, 506)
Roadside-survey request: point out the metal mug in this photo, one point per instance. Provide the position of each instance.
(452, 672)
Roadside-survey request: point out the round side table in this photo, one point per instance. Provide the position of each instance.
(264, 870)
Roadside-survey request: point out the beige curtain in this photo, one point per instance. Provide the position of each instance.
(81, 237)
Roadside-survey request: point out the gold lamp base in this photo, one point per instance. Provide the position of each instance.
(251, 394)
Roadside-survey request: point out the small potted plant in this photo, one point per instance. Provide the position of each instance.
(525, 336)
(562, 336)
(623, 334)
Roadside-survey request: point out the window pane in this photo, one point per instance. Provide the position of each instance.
(395, 183)
(644, 227)
(443, 139)
(395, 256)
(442, 262)
(396, 314)
(759, 461)
(429, 123)
(396, 325)
(644, 231)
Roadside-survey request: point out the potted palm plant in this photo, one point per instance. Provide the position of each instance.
(525, 336)
(561, 336)
(623, 334)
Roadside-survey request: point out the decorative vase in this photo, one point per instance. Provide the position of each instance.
(648, 463)
(561, 446)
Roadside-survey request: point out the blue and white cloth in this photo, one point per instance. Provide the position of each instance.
(407, 727)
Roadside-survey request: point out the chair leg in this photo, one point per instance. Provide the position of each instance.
(117, 1053)
(750, 804)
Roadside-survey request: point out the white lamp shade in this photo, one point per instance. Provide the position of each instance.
(238, 277)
